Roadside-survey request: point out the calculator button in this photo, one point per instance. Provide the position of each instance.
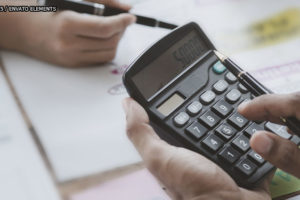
(278, 130)
(213, 142)
(252, 129)
(238, 120)
(256, 157)
(181, 119)
(194, 108)
(230, 155)
(241, 143)
(220, 86)
(222, 108)
(242, 88)
(208, 97)
(230, 78)
(196, 130)
(296, 140)
(210, 119)
(246, 167)
(225, 131)
(233, 96)
(219, 68)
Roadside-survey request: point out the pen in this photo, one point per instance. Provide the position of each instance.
(256, 88)
(102, 10)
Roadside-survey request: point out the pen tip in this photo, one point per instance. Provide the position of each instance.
(220, 56)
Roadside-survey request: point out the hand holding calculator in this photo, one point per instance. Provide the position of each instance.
(192, 100)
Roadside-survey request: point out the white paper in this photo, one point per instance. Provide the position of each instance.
(23, 174)
(77, 113)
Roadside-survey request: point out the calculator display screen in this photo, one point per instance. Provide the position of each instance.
(169, 64)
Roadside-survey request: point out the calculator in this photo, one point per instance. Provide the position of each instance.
(192, 99)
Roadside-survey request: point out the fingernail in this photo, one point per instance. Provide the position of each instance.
(263, 143)
(243, 105)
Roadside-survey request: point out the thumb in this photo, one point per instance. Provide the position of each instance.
(282, 153)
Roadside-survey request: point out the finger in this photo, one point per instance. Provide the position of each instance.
(95, 26)
(87, 44)
(282, 153)
(113, 3)
(262, 192)
(152, 149)
(272, 107)
(138, 129)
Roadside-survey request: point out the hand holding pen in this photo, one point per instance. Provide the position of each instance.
(108, 9)
(67, 38)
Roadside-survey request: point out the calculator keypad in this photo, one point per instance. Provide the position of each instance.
(211, 122)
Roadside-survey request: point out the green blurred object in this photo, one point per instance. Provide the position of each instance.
(283, 184)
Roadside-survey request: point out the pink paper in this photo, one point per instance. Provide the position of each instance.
(140, 185)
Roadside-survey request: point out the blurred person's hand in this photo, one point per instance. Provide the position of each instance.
(185, 174)
(282, 153)
(65, 38)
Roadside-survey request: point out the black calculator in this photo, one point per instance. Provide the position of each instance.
(192, 100)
